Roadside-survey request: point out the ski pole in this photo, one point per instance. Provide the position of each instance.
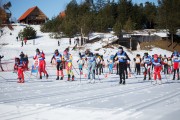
(80, 75)
(27, 75)
(151, 76)
(166, 78)
(75, 69)
(3, 77)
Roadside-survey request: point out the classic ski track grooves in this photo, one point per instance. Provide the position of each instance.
(62, 93)
(70, 102)
(151, 102)
(135, 107)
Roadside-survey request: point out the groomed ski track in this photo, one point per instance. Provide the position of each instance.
(52, 94)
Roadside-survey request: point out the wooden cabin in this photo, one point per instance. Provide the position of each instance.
(33, 16)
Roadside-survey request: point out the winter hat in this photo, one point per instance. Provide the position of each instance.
(155, 56)
(67, 49)
(120, 48)
(146, 54)
(138, 55)
(37, 50)
(56, 51)
(87, 51)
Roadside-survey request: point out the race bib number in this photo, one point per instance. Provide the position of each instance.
(121, 57)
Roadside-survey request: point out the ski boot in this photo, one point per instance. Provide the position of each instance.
(22, 81)
(61, 78)
(173, 78)
(57, 78)
(120, 82)
(19, 81)
(68, 78)
(144, 78)
(47, 76)
(40, 77)
(178, 77)
(73, 78)
(124, 82)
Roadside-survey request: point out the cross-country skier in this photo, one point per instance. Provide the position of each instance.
(20, 70)
(122, 58)
(58, 58)
(22, 56)
(146, 60)
(169, 62)
(102, 64)
(128, 67)
(42, 64)
(111, 64)
(137, 61)
(80, 64)
(165, 61)
(98, 64)
(26, 62)
(91, 63)
(24, 59)
(156, 61)
(176, 64)
(68, 63)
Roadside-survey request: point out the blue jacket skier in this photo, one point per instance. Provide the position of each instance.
(91, 63)
(122, 58)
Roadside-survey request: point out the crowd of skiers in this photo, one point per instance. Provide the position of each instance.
(159, 63)
(94, 64)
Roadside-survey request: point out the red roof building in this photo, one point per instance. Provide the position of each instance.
(33, 16)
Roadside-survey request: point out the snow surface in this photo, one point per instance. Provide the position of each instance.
(48, 99)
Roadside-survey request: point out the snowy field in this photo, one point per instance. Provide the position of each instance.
(49, 99)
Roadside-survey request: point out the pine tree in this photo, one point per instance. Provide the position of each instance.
(125, 8)
(69, 25)
(129, 26)
(117, 28)
(150, 12)
(138, 16)
(169, 16)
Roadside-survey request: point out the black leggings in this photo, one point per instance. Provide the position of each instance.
(122, 69)
(59, 66)
(99, 69)
(165, 69)
(138, 67)
(175, 73)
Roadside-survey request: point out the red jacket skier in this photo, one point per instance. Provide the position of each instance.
(176, 64)
(42, 64)
(157, 66)
(20, 70)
